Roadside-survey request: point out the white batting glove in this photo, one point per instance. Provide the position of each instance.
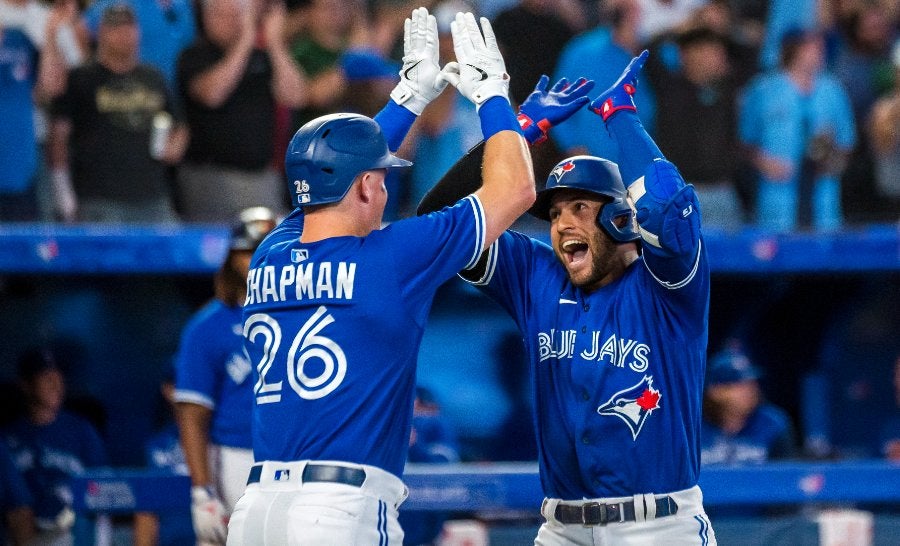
(208, 516)
(479, 72)
(421, 80)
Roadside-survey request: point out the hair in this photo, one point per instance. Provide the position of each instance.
(229, 283)
(791, 42)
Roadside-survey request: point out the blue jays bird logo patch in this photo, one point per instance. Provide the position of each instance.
(633, 405)
(560, 170)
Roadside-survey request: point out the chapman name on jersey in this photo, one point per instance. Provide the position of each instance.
(302, 281)
(609, 348)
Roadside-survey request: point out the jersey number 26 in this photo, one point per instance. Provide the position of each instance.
(307, 344)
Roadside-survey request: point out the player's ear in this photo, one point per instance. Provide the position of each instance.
(368, 185)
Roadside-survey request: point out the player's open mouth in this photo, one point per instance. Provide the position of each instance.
(575, 251)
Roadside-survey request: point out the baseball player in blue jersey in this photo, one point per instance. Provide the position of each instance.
(49, 445)
(214, 387)
(336, 307)
(614, 314)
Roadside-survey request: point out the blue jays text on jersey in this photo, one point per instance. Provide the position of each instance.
(610, 349)
(333, 329)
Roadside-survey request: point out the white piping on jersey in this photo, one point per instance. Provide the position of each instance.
(564, 300)
(480, 231)
(194, 397)
(489, 268)
(674, 286)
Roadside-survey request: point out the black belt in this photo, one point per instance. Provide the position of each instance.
(315, 473)
(595, 513)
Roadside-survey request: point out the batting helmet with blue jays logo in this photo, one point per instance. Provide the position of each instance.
(593, 175)
(325, 155)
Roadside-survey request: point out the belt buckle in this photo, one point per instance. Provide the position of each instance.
(584, 513)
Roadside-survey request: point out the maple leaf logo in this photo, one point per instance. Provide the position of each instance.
(649, 399)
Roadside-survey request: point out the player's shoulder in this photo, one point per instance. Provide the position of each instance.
(277, 244)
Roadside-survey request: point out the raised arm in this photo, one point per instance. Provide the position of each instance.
(666, 209)
(507, 188)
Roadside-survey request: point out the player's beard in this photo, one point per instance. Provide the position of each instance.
(590, 276)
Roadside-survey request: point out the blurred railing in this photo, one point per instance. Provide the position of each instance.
(199, 249)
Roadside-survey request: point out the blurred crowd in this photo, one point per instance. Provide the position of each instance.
(783, 113)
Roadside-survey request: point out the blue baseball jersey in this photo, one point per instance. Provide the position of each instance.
(333, 329)
(766, 435)
(212, 370)
(618, 372)
(49, 455)
(163, 452)
(14, 492)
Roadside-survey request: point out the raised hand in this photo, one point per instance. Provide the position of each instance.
(619, 95)
(479, 72)
(545, 109)
(421, 80)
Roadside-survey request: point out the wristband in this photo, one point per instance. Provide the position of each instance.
(497, 115)
(395, 121)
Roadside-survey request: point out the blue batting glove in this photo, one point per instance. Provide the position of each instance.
(619, 95)
(542, 109)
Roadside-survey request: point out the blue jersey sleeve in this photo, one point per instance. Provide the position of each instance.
(430, 249)
(514, 263)
(196, 375)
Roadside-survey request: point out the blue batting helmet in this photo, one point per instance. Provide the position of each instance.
(593, 175)
(325, 155)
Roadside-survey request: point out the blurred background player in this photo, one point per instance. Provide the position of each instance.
(431, 440)
(50, 445)
(163, 452)
(739, 426)
(214, 386)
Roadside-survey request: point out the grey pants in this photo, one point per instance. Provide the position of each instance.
(212, 193)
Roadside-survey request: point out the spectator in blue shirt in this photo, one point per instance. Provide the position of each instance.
(798, 126)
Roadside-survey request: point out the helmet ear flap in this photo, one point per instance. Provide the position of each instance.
(606, 219)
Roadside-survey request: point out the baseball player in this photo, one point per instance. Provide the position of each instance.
(335, 311)
(614, 314)
(214, 387)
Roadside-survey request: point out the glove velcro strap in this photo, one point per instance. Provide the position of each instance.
(534, 133)
(607, 109)
(405, 97)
